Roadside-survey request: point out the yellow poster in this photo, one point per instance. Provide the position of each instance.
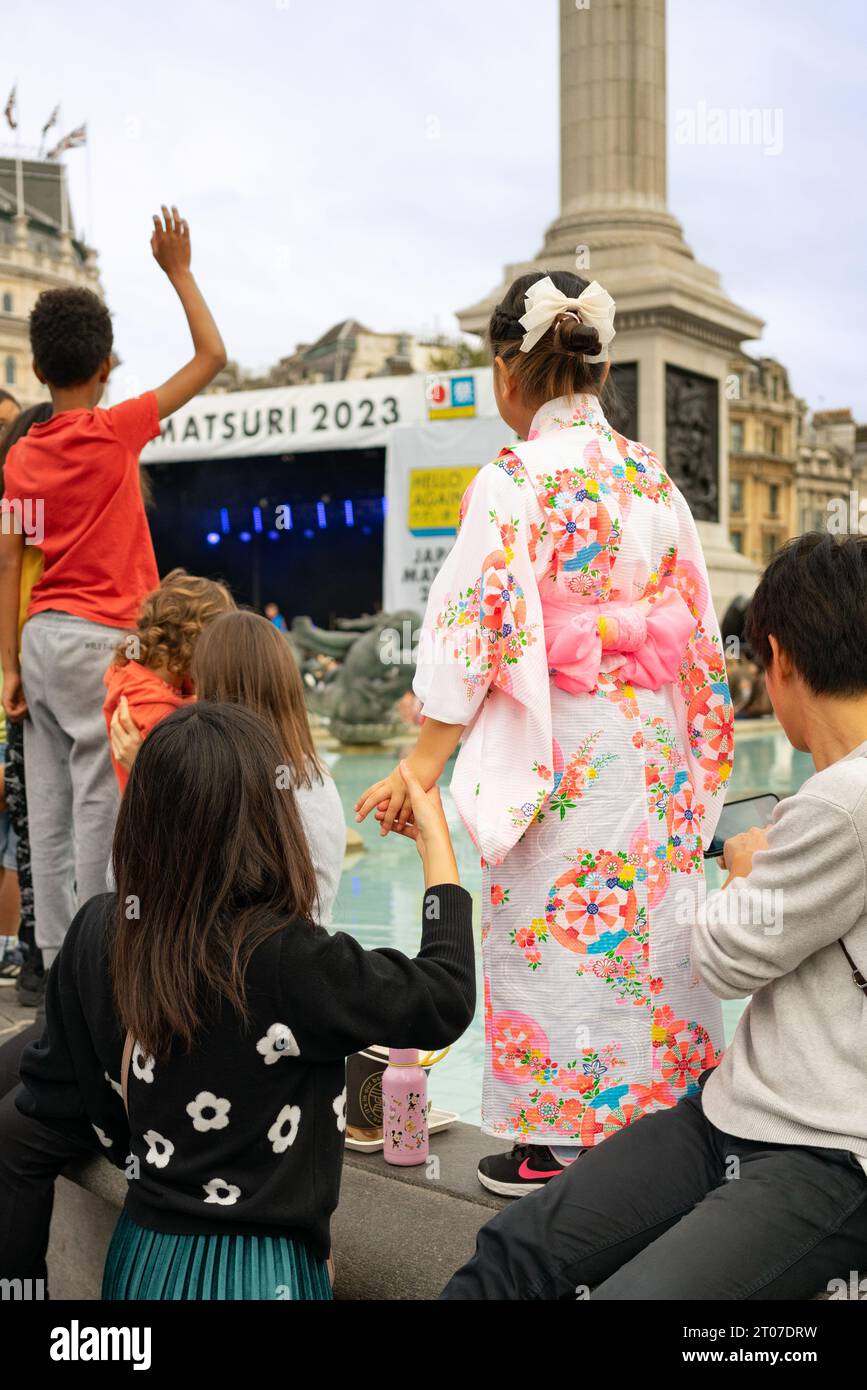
(435, 499)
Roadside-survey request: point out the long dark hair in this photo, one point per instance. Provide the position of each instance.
(210, 859)
(242, 659)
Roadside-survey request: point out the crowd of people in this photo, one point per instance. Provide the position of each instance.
(177, 846)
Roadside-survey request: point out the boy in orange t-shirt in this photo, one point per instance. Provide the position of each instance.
(72, 488)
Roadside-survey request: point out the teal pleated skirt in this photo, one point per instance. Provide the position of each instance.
(143, 1264)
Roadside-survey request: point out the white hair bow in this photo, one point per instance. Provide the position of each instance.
(544, 303)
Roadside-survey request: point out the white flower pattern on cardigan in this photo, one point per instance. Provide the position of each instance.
(208, 1111)
(278, 1042)
(160, 1149)
(225, 1194)
(338, 1105)
(285, 1128)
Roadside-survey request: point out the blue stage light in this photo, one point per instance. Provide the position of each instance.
(245, 537)
(349, 513)
(320, 513)
(224, 520)
(213, 538)
(308, 535)
(257, 518)
(273, 535)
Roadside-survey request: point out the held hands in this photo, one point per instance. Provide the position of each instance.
(739, 850)
(170, 243)
(391, 797)
(125, 737)
(415, 811)
(429, 829)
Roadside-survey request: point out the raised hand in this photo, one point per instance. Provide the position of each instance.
(170, 242)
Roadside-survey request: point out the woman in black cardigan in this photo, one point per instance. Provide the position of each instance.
(241, 1012)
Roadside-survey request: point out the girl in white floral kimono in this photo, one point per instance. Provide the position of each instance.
(571, 642)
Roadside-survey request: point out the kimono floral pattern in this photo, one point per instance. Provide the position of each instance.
(590, 811)
(487, 621)
(591, 1096)
(573, 777)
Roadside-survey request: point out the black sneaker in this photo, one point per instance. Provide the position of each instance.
(10, 970)
(30, 988)
(525, 1168)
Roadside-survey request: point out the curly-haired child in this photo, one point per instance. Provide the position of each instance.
(150, 674)
(72, 488)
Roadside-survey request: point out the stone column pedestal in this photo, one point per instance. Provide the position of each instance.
(673, 315)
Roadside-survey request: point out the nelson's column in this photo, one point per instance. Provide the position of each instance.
(677, 330)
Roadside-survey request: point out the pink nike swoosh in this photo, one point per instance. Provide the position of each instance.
(525, 1171)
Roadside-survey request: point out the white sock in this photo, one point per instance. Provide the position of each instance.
(565, 1153)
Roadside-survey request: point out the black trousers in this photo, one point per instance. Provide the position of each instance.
(31, 1157)
(673, 1208)
(16, 799)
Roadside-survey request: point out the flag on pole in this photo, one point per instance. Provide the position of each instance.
(11, 111)
(52, 121)
(72, 141)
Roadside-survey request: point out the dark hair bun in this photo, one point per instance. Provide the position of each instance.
(504, 326)
(572, 335)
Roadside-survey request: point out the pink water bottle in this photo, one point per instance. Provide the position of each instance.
(404, 1109)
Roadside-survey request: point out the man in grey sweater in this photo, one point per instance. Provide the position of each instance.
(755, 1185)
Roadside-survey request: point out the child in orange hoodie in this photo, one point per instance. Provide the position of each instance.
(150, 671)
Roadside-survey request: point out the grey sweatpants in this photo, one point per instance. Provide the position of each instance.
(72, 793)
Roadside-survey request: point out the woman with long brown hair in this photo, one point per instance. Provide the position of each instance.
(242, 659)
(202, 995)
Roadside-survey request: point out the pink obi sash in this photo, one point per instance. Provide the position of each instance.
(647, 646)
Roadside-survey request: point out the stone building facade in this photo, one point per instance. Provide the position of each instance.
(38, 251)
(347, 352)
(787, 467)
(764, 436)
(828, 468)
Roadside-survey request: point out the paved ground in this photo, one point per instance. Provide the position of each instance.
(12, 1016)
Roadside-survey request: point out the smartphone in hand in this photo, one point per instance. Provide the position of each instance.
(738, 816)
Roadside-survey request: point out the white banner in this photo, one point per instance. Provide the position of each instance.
(332, 415)
(437, 431)
(427, 471)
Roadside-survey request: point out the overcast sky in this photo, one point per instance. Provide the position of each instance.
(384, 161)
